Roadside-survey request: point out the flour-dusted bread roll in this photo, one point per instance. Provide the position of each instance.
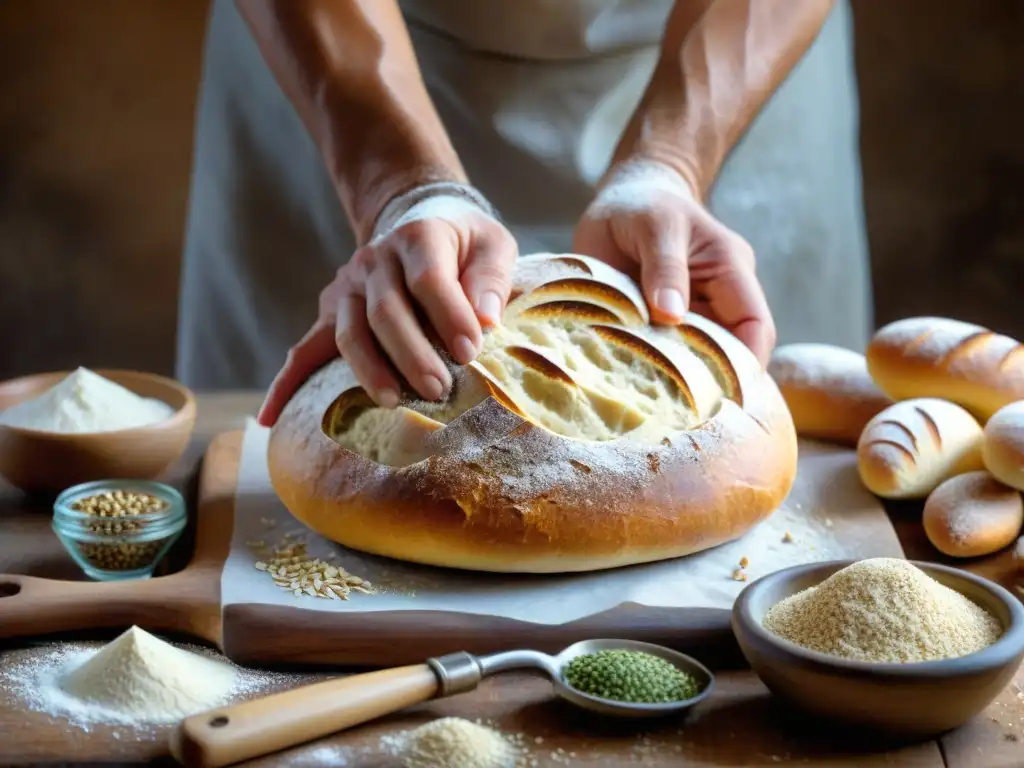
(949, 359)
(912, 446)
(1003, 445)
(972, 514)
(828, 389)
(581, 438)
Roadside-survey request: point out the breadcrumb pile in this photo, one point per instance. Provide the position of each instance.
(883, 610)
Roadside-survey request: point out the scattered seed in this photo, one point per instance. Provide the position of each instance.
(111, 514)
(292, 569)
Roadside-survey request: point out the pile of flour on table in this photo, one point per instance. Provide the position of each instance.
(135, 680)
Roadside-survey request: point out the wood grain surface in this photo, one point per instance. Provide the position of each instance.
(741, 724)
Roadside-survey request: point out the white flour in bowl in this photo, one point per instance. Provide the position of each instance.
(85, 402)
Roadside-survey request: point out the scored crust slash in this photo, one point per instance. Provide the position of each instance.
(582, 437)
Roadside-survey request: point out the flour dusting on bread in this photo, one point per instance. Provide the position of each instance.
(582, 437)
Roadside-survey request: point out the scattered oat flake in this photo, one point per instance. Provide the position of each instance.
(291, 569)
(787, 537)
(739, 575)
(744, 561)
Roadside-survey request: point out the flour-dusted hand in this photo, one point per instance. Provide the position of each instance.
(436, 270)
(645, 219)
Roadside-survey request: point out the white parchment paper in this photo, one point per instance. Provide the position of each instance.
(827, 516)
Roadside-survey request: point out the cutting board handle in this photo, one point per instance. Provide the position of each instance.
(32, 606)
(258, 727)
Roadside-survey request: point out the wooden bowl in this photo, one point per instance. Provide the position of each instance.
(915, 700)
(47, 462)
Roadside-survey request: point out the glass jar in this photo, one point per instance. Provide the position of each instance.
(119, 529)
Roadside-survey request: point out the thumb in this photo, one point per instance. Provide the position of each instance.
(664, 272)
(304, 359)
(487, 277)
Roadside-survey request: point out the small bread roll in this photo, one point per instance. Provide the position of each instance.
(1003, 445)
(973, 514)
(909, 448)
(949, 359)
(828, 389)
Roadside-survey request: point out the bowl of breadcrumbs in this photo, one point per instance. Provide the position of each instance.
(905, 648)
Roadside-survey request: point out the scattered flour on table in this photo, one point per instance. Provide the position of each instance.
(327, 756)
(85, 402)
(136, 680)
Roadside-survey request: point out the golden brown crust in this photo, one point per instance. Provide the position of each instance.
(1003, 446)
(911, 447)
(972, 515)
(500, 493)
(948, 359)
(828, 389)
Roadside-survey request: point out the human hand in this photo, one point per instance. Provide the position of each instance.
(442, 257)
(645, 219)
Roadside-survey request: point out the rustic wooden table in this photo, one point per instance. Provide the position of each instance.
(741, 725)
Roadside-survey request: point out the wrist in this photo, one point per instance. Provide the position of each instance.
(668, 162)
(630, 183)
(441, 199)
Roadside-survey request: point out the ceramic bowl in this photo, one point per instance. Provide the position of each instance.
(914, 700)
(47, 462)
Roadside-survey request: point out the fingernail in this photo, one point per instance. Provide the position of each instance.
(387, 398)
(670, 301)
(490, 306)
(432, 388)
(463, 349)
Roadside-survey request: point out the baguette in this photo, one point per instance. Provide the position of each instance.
(1003, 445)
(908, 449)
(828, 390)
(972, 515)
(582, 437)
(948, 359)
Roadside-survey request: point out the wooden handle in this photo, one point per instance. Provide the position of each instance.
(32, 606)
(258, 727)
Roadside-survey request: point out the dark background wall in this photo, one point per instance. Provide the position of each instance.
(96, 118)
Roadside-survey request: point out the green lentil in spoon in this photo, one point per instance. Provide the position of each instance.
(630, 676)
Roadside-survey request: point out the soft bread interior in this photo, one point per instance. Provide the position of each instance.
(574, 356)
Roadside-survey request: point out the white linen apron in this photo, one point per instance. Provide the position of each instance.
(534, 94)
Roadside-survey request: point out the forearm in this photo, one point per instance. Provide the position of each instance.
(720, 61)
(349, 68)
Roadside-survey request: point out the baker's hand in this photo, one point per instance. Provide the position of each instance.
(443, 258)
(645, 219)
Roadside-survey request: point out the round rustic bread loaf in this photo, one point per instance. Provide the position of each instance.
(581, 438)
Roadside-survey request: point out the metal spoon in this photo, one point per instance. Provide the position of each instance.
(229, 735)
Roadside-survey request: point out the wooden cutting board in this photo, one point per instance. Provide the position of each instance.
(189, 601)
